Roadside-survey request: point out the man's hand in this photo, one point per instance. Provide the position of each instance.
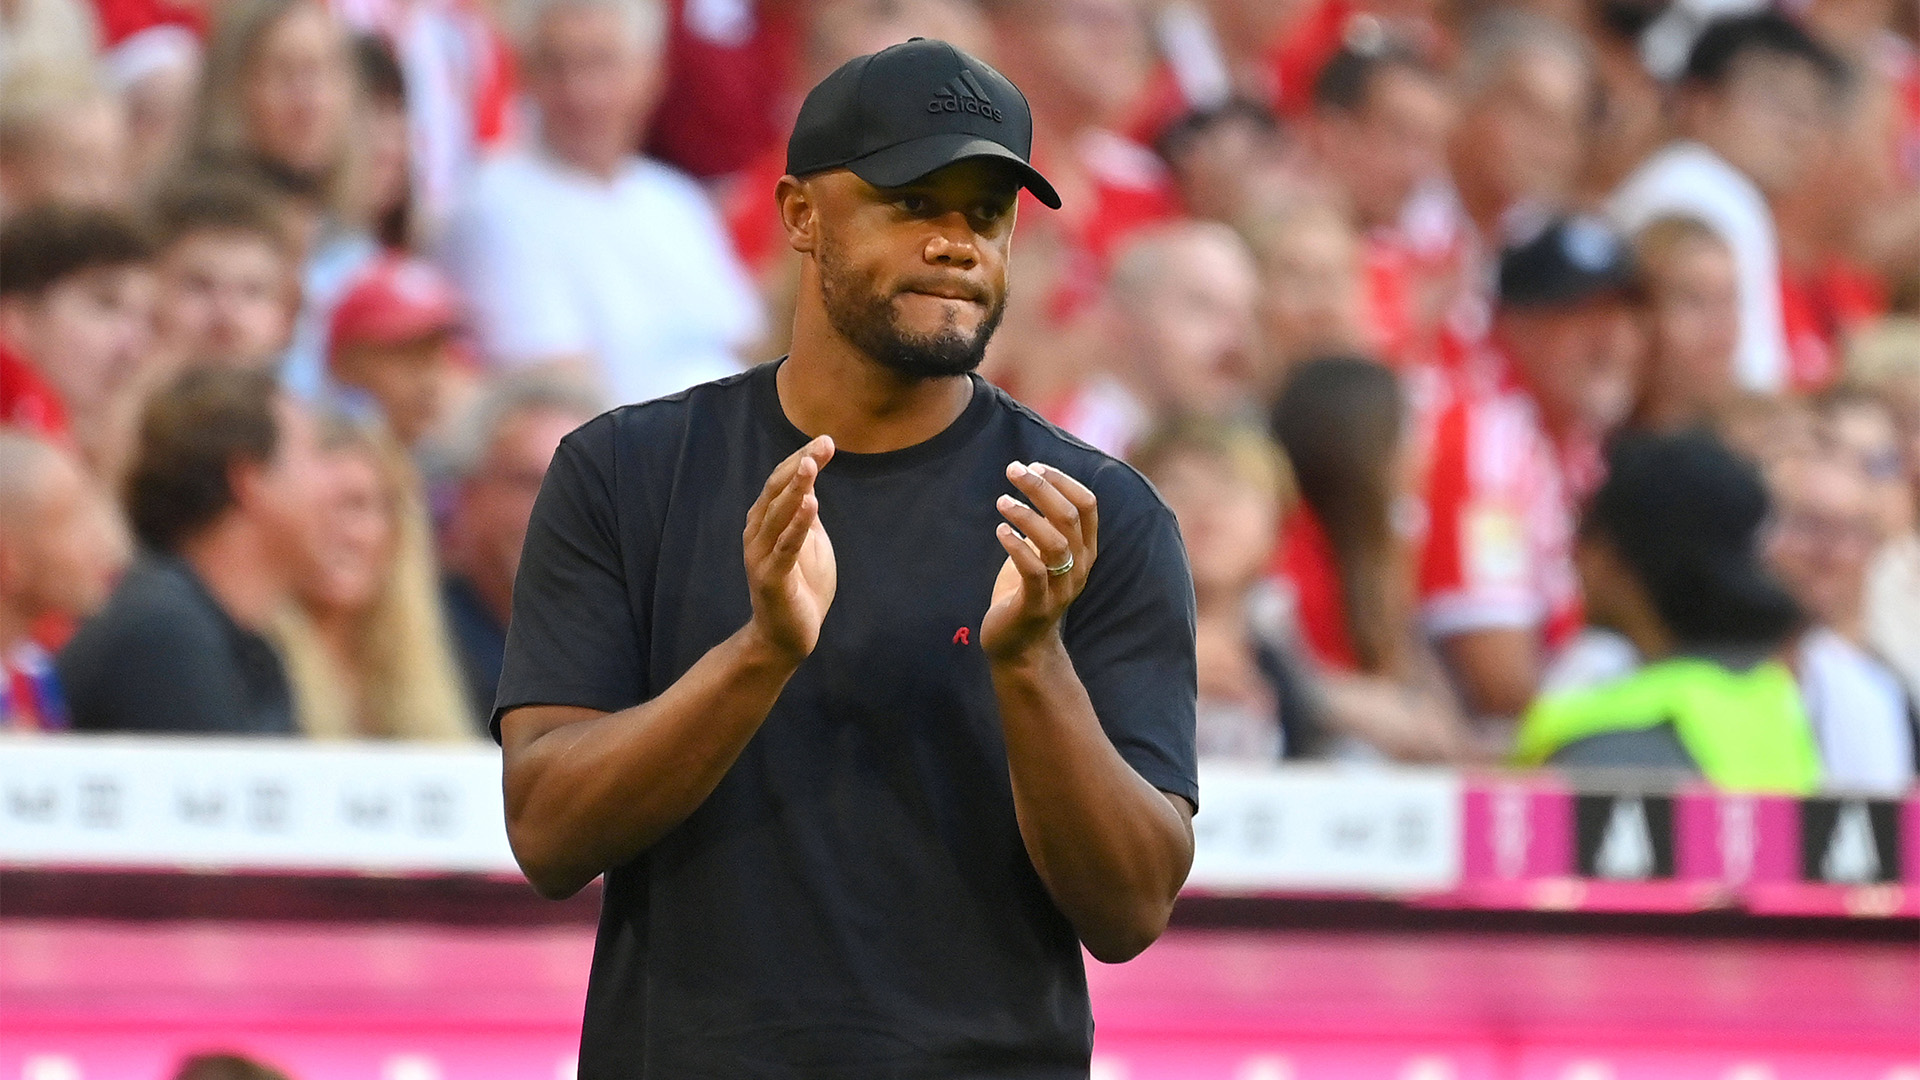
(1061, 526)
(790, 569)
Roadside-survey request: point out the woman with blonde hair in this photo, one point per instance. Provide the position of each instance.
(282, 100)
(365, 647)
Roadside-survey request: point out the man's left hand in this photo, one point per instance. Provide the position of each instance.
(1058, 527)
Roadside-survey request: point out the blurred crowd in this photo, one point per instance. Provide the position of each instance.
(1534, 380)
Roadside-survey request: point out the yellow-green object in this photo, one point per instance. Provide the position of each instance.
(1747, 731)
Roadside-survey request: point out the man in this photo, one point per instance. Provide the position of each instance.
(1753, 99)
(1823, 543)
(1508, 461)
(503, 446)
(59, 551)
(395, 337)
(227, 484)
(1668, 556)
(76, 300)
(578, 250)
(228, 274)
(1382, 118)
(864, 779)
(1177, 336)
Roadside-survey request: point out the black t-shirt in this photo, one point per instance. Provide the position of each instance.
(853, 900)
(164, 656)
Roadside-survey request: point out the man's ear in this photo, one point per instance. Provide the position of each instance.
(799, 214)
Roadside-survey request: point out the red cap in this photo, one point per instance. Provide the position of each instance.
(397, 299)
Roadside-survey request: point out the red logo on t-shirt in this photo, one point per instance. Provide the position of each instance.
(960, 636)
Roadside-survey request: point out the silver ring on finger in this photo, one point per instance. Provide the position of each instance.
(1063, 568)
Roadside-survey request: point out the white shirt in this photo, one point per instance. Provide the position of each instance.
(635, 273)
(1859, 715)
(1687, 179)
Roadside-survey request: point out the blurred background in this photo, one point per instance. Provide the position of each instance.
(1537, 386)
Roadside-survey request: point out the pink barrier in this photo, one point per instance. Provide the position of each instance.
(123, 1002)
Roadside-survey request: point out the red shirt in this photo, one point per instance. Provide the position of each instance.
(1818, 309)
(1305, 562)
(28, 401)
(729, 63)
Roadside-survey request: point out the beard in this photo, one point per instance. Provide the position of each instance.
(861, 312)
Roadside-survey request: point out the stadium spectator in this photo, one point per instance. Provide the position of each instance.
(156, 74)
(76, 300)
(226, 494)
(281, 98)
(1082, 65)
(58, 555)
(1565, 333)
(1889, 362)
(63, 139)
(365, 645)
(1528, 100)
(502, 449)
(439, 77)
(728, 67)
(1348, 552)
(1381, 123)
(389, 150)
(1227, 484)
(1178, 336)
(1692, 324)
(1231, 158)
(576, 250)
(396, 338)
(1823, 540)
(1669, 560)
(1857, 425)
(1766, 428)
(1312, 293)
(1755, 91)
(228, 275)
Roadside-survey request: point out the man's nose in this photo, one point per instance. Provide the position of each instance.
(953, 243)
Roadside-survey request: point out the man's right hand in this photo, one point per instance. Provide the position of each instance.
(790, 569)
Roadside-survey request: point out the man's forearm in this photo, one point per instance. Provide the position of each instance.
(1112, 849)
(586, 790)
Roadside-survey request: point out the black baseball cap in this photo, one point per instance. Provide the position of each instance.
(1570, 260)
(894, 116)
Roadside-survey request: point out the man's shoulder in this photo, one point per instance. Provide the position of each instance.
(158, 606)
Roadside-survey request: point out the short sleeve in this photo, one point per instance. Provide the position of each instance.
(574, 638)
(1131, 635)
(1477, 569)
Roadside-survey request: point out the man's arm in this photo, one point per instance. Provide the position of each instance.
(1497, 669)
(587, 790)
(1111, 849)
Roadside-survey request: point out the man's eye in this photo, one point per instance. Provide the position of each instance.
(992, 211)
(915, 204)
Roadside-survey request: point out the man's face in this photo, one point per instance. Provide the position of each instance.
(915, 277)
(289, 496)
(299, 91)
(1382, 152)
(77, 156)
(62, 558)
(1693, 321)
(1311, 296)
(497, 500)
(1583, 361)
(1823, 535)
(594, 81)
(1195, 334)
(1526, 133)
(409, 380)
(1094, 56)
(87, 332)
(1768, 119)
(225, 299)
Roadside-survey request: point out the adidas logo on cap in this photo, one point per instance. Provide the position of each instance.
(964, 94)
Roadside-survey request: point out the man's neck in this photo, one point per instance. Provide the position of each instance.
(828, 387)
(602, 165)
(232, 561)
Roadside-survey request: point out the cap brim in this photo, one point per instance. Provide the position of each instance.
(902, 164)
